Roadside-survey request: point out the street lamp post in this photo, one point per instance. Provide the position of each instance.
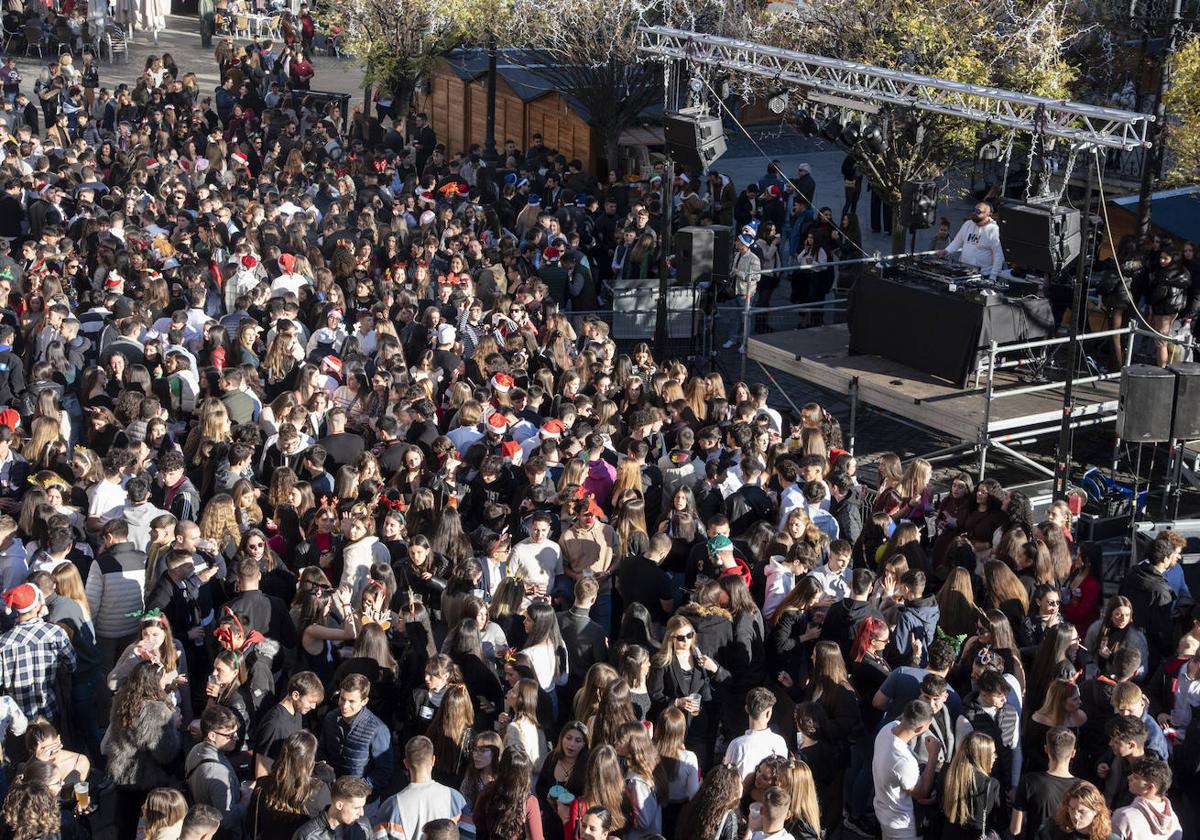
(490, 156)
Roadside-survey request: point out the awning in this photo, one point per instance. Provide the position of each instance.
(643, 136)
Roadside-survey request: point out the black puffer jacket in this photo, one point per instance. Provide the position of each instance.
(1169, 291)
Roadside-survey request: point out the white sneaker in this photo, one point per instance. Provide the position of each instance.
(742, 348)
(730, 344)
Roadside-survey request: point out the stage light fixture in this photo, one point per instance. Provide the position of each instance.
(696, 84)
(873, 138)
(851, 134)
(777, 102)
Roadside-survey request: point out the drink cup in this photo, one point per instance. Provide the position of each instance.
(83, 796)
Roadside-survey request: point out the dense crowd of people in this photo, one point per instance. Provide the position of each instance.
(322, 516)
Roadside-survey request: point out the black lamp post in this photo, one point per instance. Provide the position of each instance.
(490, 156)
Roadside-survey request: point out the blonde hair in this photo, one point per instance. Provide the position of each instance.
(42, 432)
(798, 781)
(219, 519)
(976, 753)
(68, 584)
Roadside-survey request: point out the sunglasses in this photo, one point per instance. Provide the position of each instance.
(683, 637)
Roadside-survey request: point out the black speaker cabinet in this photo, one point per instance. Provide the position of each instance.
(1038, 238)
(1144, 406)
(694, 140)
(1185, 424)
(694, 255)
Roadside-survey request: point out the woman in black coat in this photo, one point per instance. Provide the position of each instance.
(679, 674)
(1170, 295)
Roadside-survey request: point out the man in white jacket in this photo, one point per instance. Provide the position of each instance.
(979, 241)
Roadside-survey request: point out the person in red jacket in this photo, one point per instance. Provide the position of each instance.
(1081, 598)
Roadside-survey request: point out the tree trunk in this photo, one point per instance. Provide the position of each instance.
(612, 151)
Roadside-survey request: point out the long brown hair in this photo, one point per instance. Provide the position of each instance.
(451, 727)
(142, 686)
(719, 793)
(956, 604)
(604, 783)
(291, 782)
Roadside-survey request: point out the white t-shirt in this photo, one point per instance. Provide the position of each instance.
(106, 501)
(405, 814)
(538, 562)
(895, 771)
(746, 751)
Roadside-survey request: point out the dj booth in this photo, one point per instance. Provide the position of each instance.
(935, 317)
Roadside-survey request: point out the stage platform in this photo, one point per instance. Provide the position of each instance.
(1018, 411)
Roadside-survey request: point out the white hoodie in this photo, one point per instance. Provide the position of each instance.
(1146, 820)
(980, 247)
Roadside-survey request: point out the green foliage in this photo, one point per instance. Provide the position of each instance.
(1182, 132)
(1015, 44)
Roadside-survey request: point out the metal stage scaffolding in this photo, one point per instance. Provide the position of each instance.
(1001, 410)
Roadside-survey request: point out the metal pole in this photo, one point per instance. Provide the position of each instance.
(490, 156)
(1062, 472)
(853, 414)
(984, 431)
(664, 265)
(745, 331)
(1152, 157)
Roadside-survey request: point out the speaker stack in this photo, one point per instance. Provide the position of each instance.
(694, 140)
(1039, 238)
(1157, 405)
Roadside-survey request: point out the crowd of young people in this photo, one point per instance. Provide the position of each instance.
(321, 516)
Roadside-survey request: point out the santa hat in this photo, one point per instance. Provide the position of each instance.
(683, 178)
(550, 253)
(240, 159)
(22, 599)
(112, 280)
(427, 218)
(333, 365)
(287, 262)
(773, 191)
(496, 423)
(423, 194)
(553, 429)
(9, 417)
(746, 239)
(463, 189)
(502, 383)
(510, 450)
(249, 262)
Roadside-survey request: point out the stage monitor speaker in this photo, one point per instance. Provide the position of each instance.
(694, 140)
(918, 204)
(1144, 406)
(694, 255)
(1039, 238)
(1185, 424)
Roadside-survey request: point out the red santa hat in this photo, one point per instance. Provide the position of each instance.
(496, 423)
(287, 262)
(502, 383)
(240, 159)
(333, 365)
(249, 262)
(9, 417)
(23, 599)
(553, 429)
(510, 450)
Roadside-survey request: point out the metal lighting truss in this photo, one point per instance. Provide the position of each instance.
(1074, 121)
